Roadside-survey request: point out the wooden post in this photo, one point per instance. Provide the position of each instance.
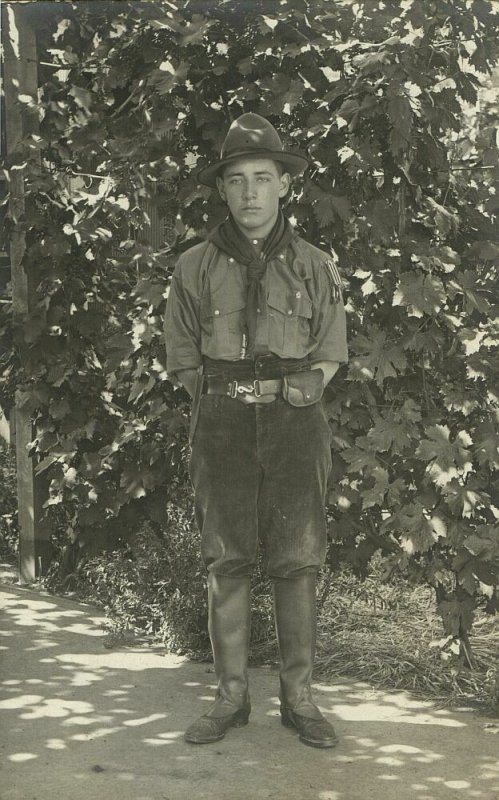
(20, 76)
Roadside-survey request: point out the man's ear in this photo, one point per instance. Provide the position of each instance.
(285, 183)
(221, 189)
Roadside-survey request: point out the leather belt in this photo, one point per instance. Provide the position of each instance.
(233, 389)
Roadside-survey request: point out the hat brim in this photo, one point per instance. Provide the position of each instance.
(293, 163)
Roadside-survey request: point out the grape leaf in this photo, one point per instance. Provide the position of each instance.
(420, 294)
(484, 543)
(487, 444)
(377, 358)
(361, 456)
(327, 207)
(457, 615)
(416, 529)
(464, 500)
(375, 495)
(446, 460)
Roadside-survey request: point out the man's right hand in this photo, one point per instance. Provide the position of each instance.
(188, 379)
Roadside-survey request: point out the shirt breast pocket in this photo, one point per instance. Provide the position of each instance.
(222, 325)
(289, 313)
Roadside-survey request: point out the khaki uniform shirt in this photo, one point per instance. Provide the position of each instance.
(205, 315)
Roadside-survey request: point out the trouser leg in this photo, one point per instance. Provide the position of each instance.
(225, 476)
(296, 623)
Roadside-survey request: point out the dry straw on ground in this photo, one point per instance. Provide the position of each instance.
(391, 637)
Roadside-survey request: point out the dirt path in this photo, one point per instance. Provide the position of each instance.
(80, 721)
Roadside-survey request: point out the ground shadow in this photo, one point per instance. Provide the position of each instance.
(80, 721)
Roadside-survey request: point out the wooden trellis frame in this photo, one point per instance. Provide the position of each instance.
(20, 77)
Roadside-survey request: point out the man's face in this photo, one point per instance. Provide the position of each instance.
(252, 187)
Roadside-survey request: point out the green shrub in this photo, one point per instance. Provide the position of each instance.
(156, 584)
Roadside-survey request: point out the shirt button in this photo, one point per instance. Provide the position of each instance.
(290, 311)
(255, 241)
(217, 312)
(282, 256)
(231, 260)
(258, 311)
(298, 294)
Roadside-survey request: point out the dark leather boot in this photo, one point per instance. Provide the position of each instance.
(229, 628)
(296, 623)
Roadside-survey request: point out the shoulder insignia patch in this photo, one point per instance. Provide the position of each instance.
(335, 282)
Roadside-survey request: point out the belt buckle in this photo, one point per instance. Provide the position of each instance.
(244, 389)
(236, 388)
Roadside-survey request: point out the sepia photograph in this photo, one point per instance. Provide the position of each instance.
(249, 400)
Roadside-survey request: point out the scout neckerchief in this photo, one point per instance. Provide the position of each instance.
(229, 238)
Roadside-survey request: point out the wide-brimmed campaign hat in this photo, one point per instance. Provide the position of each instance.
(252, 136)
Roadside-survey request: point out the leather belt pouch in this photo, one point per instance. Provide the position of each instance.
(303, 388)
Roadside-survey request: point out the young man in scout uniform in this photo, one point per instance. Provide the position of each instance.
(255, 329)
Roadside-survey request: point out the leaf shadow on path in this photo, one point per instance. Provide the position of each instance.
(79, 721)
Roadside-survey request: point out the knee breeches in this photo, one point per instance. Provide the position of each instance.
(260, 475)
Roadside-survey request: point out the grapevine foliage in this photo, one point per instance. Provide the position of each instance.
(382, 96)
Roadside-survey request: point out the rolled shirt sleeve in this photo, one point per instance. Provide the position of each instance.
(328, 321)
